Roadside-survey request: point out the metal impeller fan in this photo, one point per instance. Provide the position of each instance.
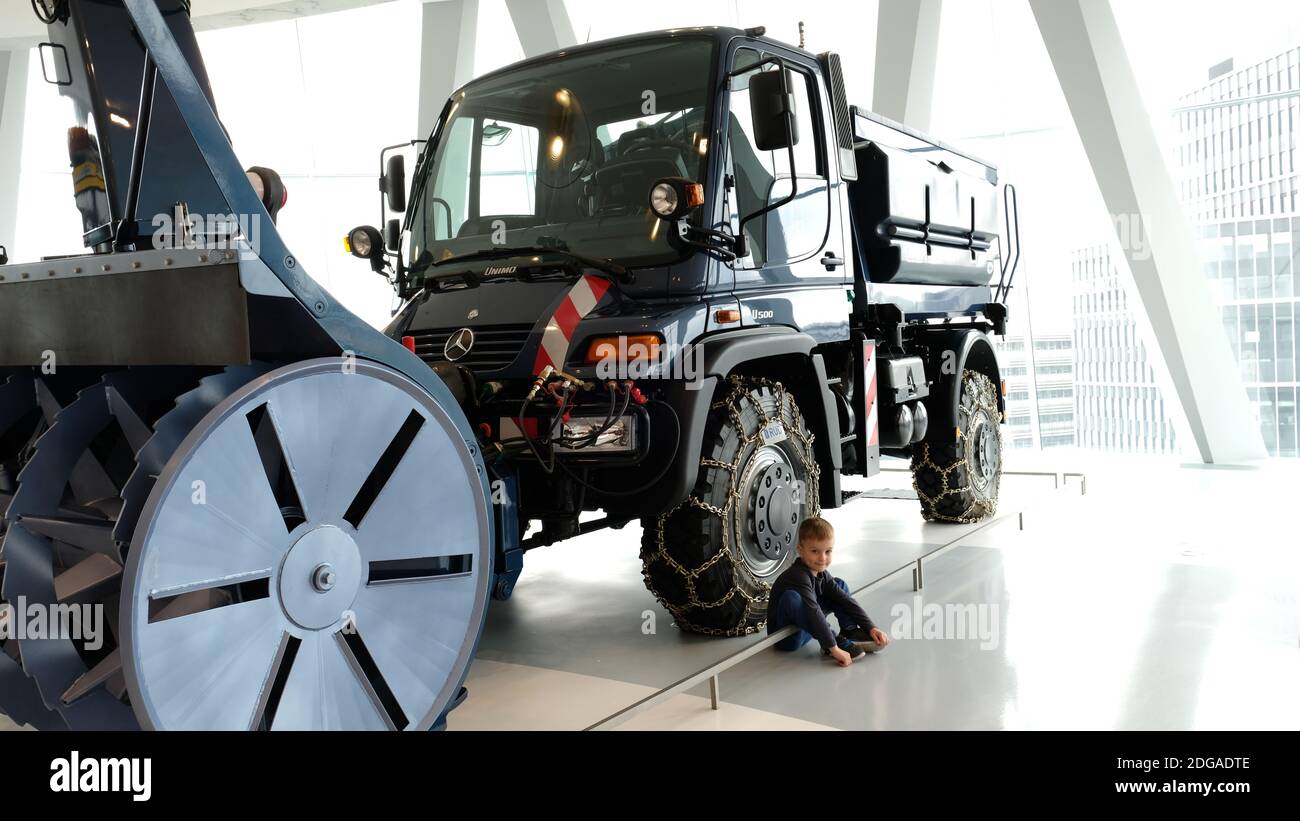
(301, 548)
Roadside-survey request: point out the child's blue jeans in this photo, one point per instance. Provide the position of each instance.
(791, 609)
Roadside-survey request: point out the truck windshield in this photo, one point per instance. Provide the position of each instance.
(564, 154)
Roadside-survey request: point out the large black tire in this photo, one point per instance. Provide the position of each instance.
(957, 473)
(711, 559)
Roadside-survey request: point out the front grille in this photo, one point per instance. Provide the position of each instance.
(495, 346)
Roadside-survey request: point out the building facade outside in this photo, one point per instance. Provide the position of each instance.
(1118, 407)
(1238, 181)
(1040, 391)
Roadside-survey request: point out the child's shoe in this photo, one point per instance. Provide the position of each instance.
(860, 638)
(855, 652)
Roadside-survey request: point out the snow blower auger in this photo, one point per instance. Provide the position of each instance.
(228, 503)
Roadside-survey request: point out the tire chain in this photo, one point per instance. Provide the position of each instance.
(740, 389)
(970, 404)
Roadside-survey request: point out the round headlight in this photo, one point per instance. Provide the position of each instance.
(361, 242)
(663, 199)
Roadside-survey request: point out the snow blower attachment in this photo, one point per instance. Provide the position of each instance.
(227, 502)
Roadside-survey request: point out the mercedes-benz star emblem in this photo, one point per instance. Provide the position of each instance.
(458, 344)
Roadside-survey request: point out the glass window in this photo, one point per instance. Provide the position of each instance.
(509, 176)
(1282, 265)
(1249, 357)
(1286, 421)
(761, 178)
(1267, 368)
(1285, 341)
(1263, 277)
(1268, 418)
(448, 211)
(564, 153)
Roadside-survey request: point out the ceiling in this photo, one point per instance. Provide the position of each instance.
(22, 29)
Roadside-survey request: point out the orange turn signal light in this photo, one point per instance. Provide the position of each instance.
(726, 316)
(623, 348)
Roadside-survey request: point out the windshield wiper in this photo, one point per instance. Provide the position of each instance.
(608, 267)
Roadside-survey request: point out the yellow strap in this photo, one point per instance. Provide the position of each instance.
(88, 183)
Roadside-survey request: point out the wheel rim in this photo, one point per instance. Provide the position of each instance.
(986, 453)
(356, 608)
(768, 513)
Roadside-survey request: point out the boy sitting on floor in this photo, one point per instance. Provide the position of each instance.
(805, 593)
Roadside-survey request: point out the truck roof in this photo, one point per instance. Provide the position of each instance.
(721, 34)
(865, 123)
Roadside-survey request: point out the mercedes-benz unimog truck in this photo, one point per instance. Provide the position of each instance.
(676, 277)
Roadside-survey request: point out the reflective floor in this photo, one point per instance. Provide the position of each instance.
(1167, 597)
(1164, 598)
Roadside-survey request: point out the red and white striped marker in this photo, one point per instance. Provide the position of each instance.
(873, 413)
(557, 335)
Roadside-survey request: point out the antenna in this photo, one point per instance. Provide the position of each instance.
(800, 34)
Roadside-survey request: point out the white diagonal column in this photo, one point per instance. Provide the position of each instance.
(1092, 66)
(907, 48)
(448, 32)
(13, 101)
(542, 25)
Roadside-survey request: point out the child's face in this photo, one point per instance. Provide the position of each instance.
(816, 553)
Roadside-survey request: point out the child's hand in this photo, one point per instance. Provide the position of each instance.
(841, 658)
(879, 636)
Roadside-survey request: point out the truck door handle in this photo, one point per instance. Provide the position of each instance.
(831, 261)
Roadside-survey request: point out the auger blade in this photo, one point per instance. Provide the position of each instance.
(59, 550)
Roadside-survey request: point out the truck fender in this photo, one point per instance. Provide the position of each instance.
(970, 348)
(726, 351)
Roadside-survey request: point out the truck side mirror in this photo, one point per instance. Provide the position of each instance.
(393, 235)
(393, 183)
(771, 104)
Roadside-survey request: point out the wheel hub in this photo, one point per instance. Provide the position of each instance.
(323, 578)
(769, 495)
(319, 577)
(986, 453)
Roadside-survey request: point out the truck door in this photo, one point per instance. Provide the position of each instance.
(787, 245)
